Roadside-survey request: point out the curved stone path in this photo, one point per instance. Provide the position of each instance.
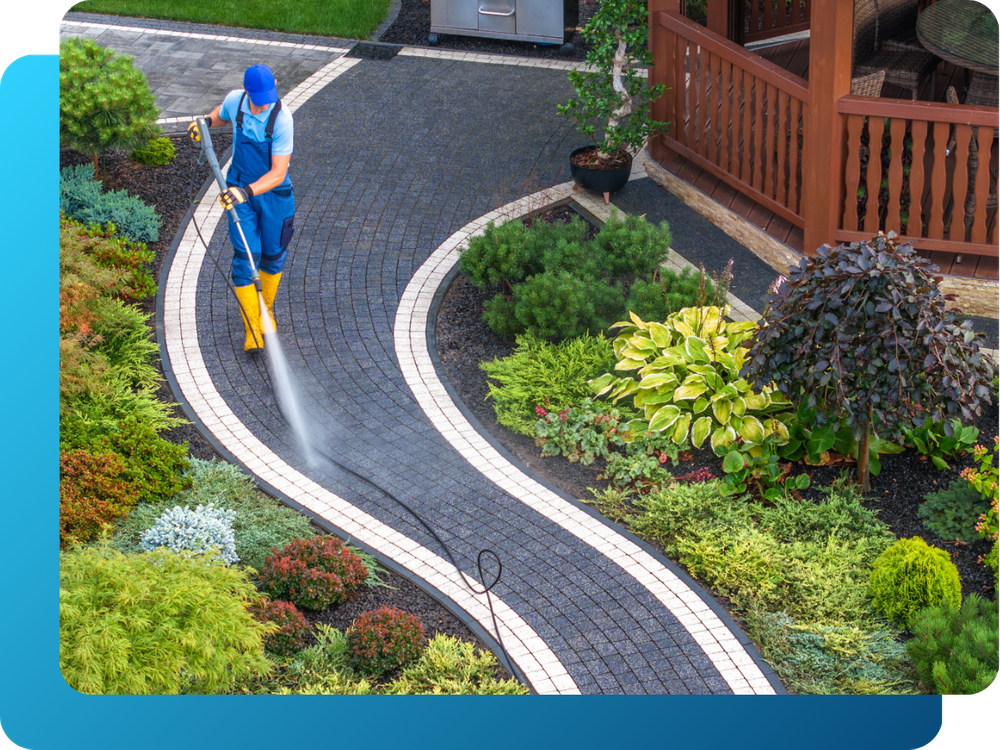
(397, 163)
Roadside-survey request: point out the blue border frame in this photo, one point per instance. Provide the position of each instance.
(39, 711)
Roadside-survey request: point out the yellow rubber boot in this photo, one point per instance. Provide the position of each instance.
(269, 285)
(250, 305)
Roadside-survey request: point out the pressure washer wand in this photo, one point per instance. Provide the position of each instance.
(208, 151)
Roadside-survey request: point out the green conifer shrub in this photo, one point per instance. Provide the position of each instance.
(954, 649)
(657, 299)
(155, 623)
(632, 246)
(500, 255)
(953, 513)
(558, 306)
(500, 314)
(542, 374)
(158, 153)
(104, 102)
(910, 576)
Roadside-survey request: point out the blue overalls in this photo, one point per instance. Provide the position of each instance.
(268, 220)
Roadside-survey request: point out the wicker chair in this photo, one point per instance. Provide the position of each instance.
(869, 85)
(875, 22)
(983, 90)
(951, 96)
(897, 25)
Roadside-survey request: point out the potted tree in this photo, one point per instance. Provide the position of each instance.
(613, 96)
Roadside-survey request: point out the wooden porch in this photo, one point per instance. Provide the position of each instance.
(721, 107)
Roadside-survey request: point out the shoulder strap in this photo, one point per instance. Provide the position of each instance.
(269, 130)
(239, 111)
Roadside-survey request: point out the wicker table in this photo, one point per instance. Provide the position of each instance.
(962, 32)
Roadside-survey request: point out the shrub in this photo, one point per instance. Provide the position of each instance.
(450, 667)
(104, 102)
(657, 299)
(953, 513)
(260, 523)
(500, 315)
(940, 439)
(158, 153)
(580, 433)
(313, 573)
(954, 649)
(539, 373)
(292, 631)
(384, 640)
(560, 305)
(632, 246)
(195, 532)
(92, 494)
(824, 660)
(154, 466)
(689, 384)
(638, 470)
(910, 576)
(155, 623)
(863, 332)
(91, 256)
(500, 255)
(839, 514)
(115, 210)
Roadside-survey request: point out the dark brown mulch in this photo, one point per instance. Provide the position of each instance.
(170, 189)
(464, 340)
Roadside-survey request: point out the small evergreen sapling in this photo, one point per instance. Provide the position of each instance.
(861, 331)
(909, 576)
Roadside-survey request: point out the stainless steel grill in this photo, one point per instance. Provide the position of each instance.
(540, 21)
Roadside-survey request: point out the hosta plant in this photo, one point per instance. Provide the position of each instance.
(939, 439)
(687, 381)
(861, 332)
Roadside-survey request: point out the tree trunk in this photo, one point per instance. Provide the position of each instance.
(97, 165)
(863, 439)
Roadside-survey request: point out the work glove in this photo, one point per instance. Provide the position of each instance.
(193, 133)
(234, 196)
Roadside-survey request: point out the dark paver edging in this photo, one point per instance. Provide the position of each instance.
(390, 19)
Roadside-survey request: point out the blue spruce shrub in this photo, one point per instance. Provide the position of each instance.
(193, 532)
(77, 188)
(81, 199)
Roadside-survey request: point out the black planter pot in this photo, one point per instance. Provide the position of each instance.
(606, 181)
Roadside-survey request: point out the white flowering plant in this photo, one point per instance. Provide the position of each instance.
(190, 532)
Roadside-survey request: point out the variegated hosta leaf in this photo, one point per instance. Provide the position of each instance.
(700, 405)
(777, 428)
(664, 417)
(658, 379)
(752, 430)
(658, 397)
(756, 401)
(694, 348)
(721, 410)
(661, 335)
(643, 344)
(629, 364)
(689, 392)
(681, 428)
(602, 385)
(722, 437)
(739, 407)
(702, 427)
(683, 328)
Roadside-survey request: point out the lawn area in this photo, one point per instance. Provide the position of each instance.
(347, 19)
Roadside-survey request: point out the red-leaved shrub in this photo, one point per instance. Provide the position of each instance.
(293, 628)
(312, 573)
(92, 494)
(384, 639)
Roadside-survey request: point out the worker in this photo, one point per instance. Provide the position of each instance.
(259, 188)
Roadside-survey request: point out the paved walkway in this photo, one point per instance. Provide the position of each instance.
(397, 163)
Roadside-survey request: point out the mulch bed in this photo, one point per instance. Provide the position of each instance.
(464, 340)
(170, 189)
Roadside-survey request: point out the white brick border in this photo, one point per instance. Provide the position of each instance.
(192, 35)
(410, 333)
(534, 658)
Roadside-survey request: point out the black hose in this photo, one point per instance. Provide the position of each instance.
(448, 553)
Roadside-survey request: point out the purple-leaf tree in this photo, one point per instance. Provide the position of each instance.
(861, 331)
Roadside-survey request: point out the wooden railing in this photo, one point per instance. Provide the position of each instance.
(763, 19)
(925, 170)
(736, 116)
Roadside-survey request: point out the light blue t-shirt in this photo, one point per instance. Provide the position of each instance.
(254, 125)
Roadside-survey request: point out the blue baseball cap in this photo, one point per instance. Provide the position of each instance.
(259, 83)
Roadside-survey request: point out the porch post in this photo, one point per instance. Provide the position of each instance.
(825, 134)
(661, 44)
(717, 14)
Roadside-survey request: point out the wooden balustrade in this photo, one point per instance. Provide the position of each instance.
(763, 19)
(924, 170)
(733, 114)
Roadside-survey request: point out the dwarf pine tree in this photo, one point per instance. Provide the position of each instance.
(104, 102)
